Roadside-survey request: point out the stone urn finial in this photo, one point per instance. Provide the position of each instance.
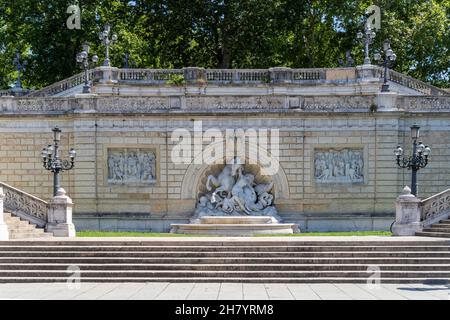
(406, 190)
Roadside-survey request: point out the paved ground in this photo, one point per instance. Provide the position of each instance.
(222, 291)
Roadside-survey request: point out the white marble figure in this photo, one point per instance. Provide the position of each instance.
(234, 192)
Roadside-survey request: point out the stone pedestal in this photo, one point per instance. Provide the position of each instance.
(60, 215)
(367, 73)
(194, 75)
(280, 75)
(407, 214)
(107, 75)
(235, 226)
(387, 101)
(4, 234)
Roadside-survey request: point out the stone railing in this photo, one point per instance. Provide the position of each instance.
(149, 76)
(62, 85)
(435, 207)
(235, 75)
(412, 215)
(25, 205)
(220, 76)
(415, 84)
(200, 76)
(15, 92)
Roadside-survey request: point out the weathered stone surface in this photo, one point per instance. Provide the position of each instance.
(60, 215)
(4, 234)
(407, 217)
(314, 110)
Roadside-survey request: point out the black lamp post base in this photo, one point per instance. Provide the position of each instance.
(86, 89)
(385, 87)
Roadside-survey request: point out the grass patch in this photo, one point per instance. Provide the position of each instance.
(156, 234)
(131, 234)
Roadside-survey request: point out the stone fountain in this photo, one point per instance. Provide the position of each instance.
(235, 205)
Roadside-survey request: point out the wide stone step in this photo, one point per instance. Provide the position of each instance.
(225, 248)
(437, 229)
(22, 229)
(247, 254)
(442, 281)
(436, 234)
(241, 260)
(236, 229)
(32, 234)
(442, 223)
(279, 242)
(225, 274)
(225, 267)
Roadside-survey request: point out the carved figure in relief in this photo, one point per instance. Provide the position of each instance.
(339, 166)
(131, 166)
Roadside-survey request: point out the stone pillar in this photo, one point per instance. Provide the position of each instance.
(194, 75)
(4, 234)
(407, 214)
(387, 101)
(60, 215)
(106, 75)
(280, 75)
(367, 73)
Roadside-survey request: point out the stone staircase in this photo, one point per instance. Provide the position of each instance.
(440, 230)
(22, 229)
(417, 260)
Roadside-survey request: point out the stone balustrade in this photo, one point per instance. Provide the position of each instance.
(413, 214)
(63, 85)
(271, 76)
(55, 216)
(4, 234)
(433, 208)
(25, 205)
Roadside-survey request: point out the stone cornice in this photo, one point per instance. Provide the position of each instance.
(195, 104)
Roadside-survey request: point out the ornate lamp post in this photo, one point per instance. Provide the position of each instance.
(83, 59)
(52, 161)
(20, 66)
(366, 38)
(389, 58)
(418, 159)
(104, 37)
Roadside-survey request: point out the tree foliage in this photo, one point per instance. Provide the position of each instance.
(221, 34)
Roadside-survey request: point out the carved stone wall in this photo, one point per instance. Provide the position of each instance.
(131, 166)
(339, 166)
